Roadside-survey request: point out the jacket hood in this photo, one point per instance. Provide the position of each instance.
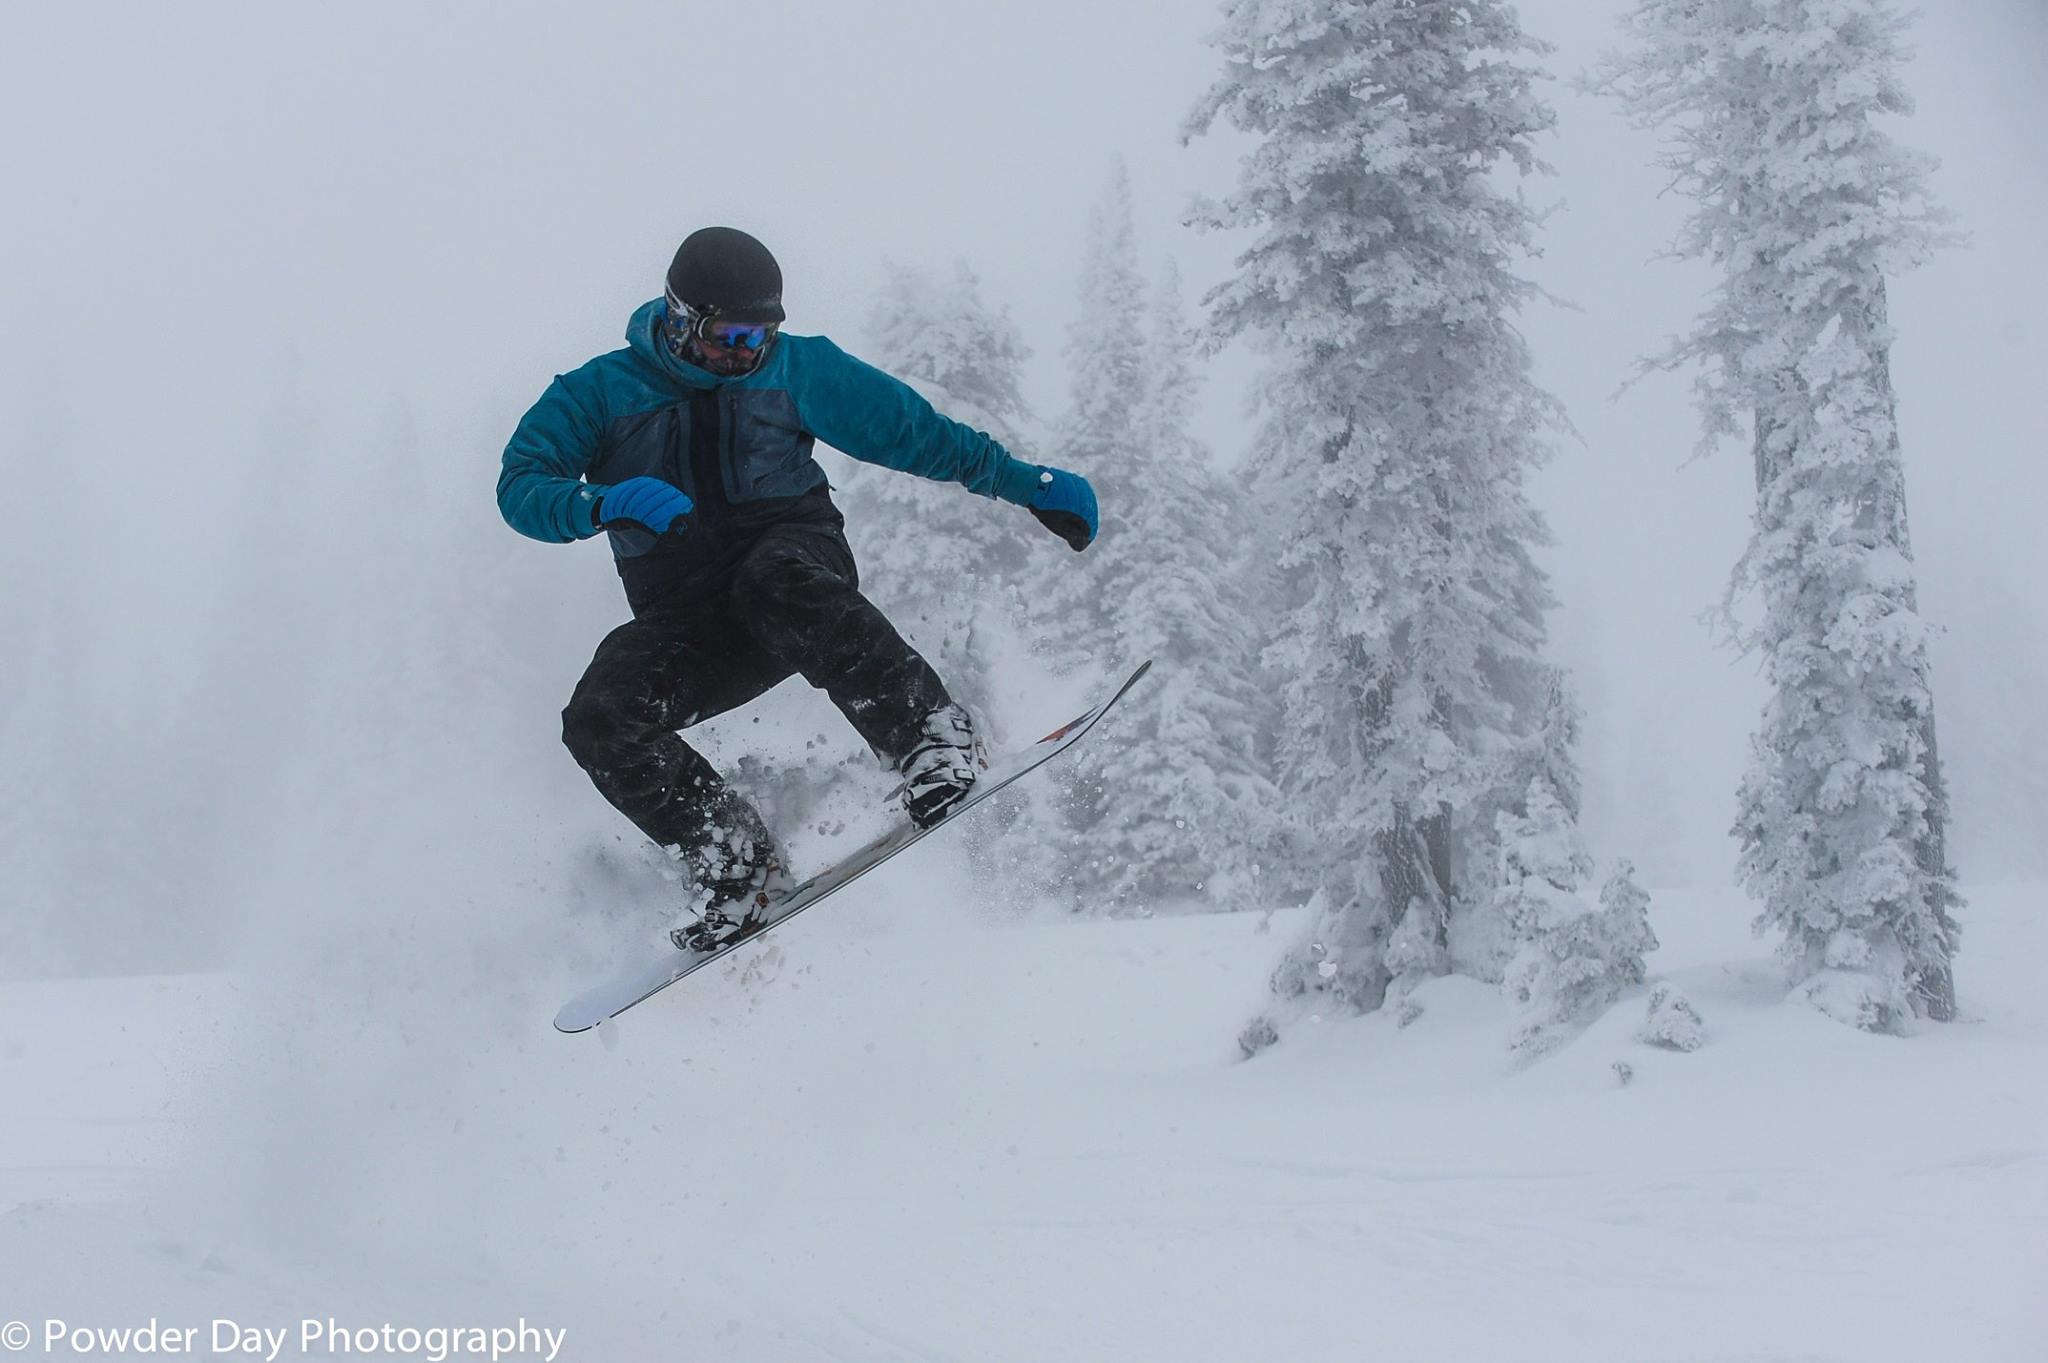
(643, 334)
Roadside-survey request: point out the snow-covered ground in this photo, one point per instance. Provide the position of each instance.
(906, 1132)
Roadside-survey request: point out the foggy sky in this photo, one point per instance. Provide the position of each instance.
(250, 244)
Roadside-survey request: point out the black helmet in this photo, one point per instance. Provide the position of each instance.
(725, 272)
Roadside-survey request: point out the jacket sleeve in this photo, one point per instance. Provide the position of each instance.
(540, 492)
(858, 409)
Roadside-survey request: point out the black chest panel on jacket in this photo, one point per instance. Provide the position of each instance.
(745, 464)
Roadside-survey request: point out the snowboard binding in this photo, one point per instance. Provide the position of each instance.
(713, 931)
(737, 909)
(941, 767)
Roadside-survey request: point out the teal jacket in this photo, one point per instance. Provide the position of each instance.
(740, 447)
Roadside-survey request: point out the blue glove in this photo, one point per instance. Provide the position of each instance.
(1065, 505)
(642, 504)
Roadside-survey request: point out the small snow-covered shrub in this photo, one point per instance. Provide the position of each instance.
(1672, 1022)
(1574, 957)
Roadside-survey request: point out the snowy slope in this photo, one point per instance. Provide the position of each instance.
(890, 1137)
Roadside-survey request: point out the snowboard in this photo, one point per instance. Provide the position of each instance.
(673, 963)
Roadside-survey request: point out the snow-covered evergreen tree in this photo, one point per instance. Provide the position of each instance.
(944, 565)
(1401, 423)
(1098, 436)
(1772, 110)
(949, 569)
(1177, 805)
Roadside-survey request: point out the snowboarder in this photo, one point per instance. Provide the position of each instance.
(691, 447)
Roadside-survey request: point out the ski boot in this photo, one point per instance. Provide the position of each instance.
(941, 767)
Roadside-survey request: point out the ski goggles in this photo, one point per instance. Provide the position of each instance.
(720, 332)
(716, 331)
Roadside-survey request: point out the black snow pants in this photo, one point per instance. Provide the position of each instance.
(791, 605)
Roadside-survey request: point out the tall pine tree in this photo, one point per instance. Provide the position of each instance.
(1401, 424)
(1098, 435)
(1772, 113)
(945, 565)
(1178, 806)
(1168, 809)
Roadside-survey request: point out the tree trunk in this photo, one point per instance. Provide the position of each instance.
(1885, 518)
